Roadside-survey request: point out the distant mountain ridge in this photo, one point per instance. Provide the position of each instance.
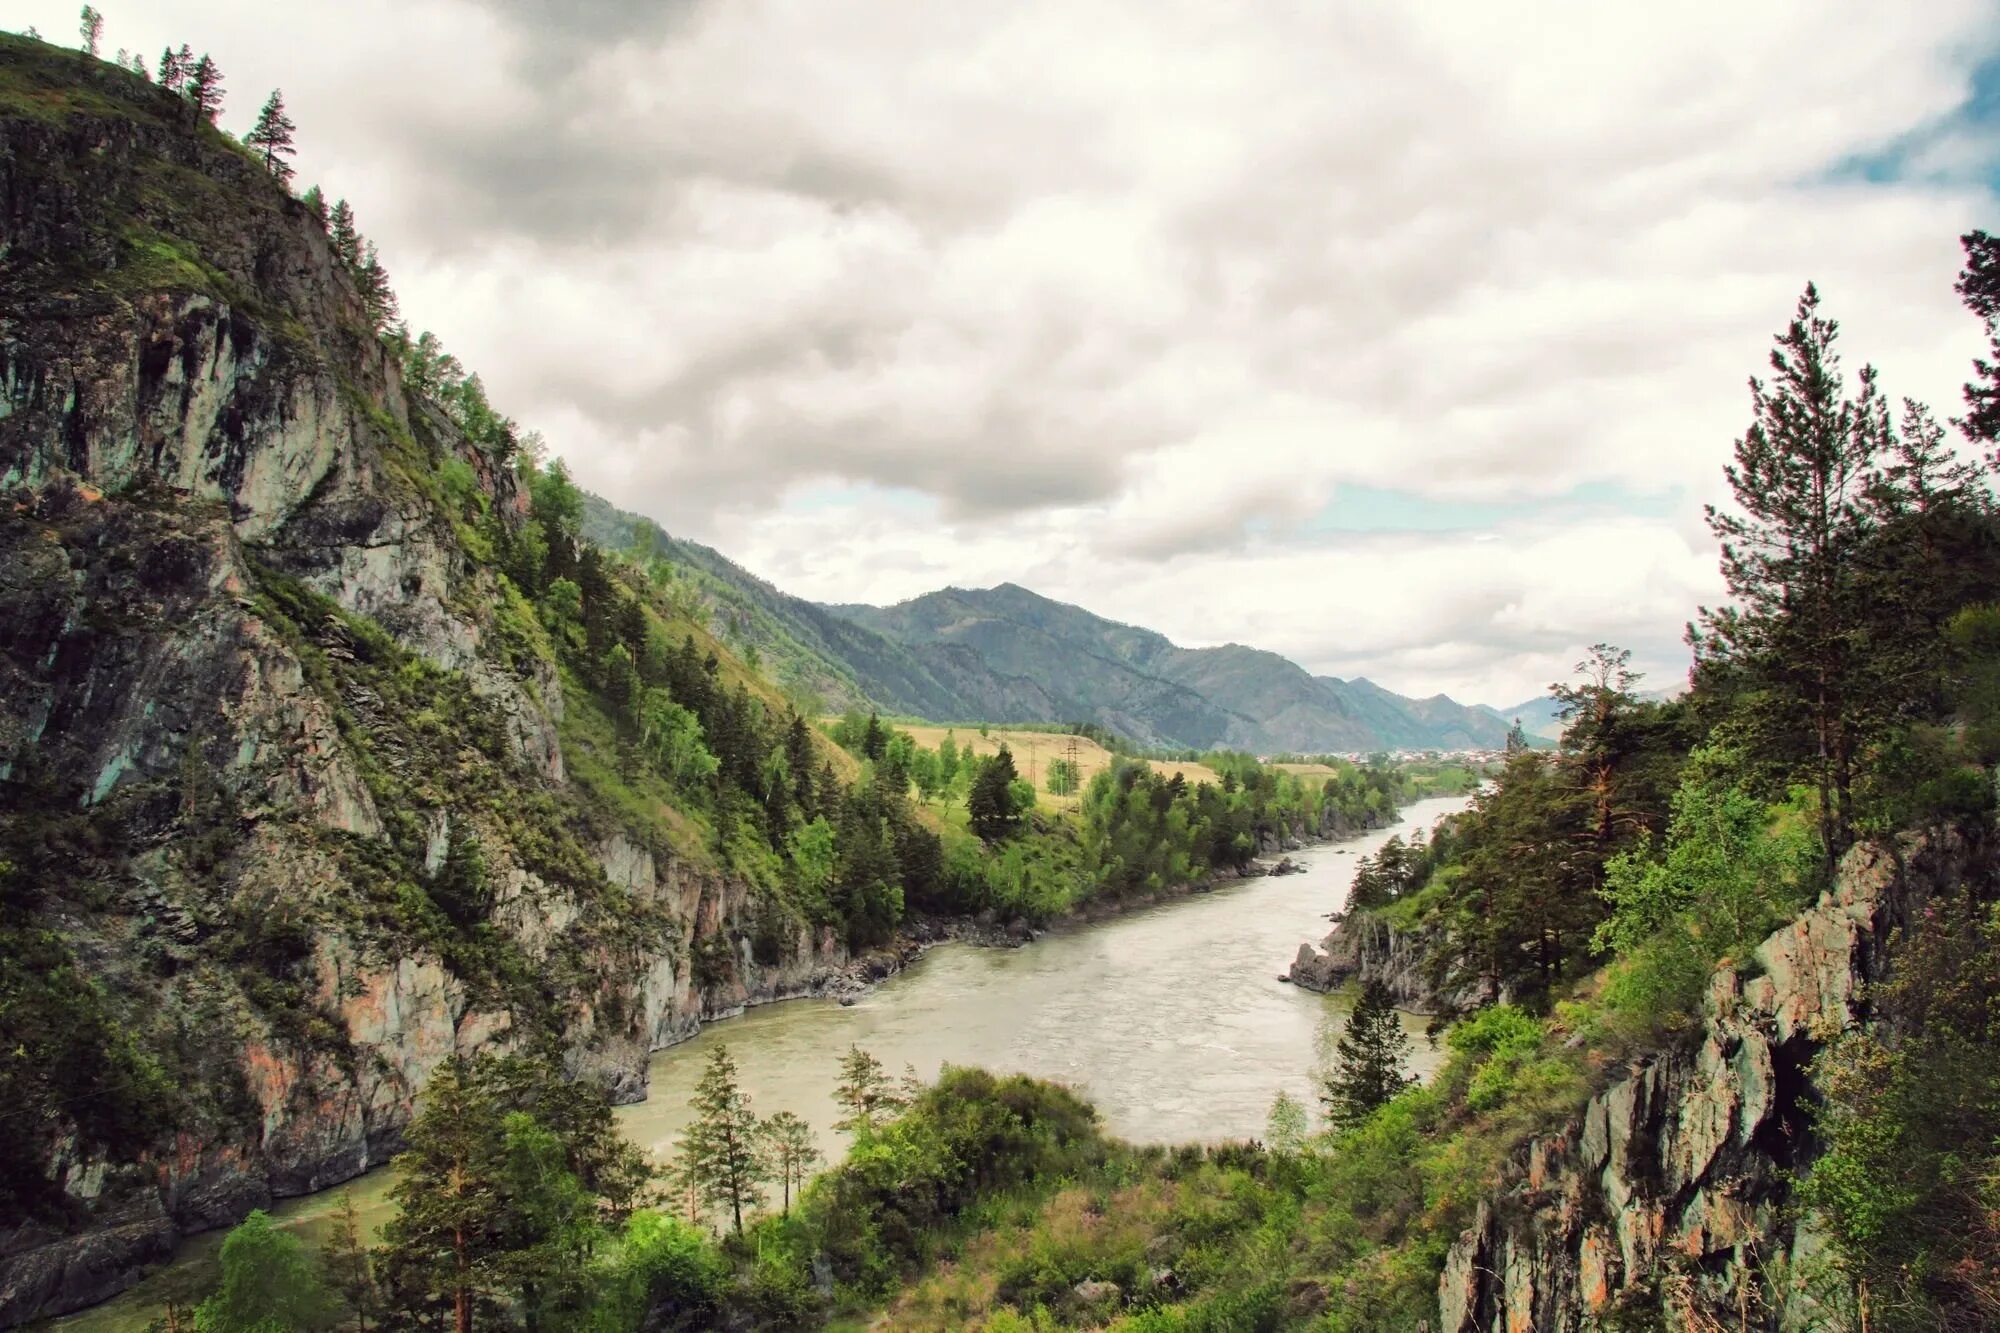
(1009, 654)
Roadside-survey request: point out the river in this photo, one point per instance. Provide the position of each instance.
(1170, 1019)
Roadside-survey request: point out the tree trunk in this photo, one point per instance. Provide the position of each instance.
(461, 1295)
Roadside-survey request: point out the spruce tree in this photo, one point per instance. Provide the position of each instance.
(789, 1146)
(315, 203)
(204, 90)
(1368, 1062)
(271, 137)
(722, 1149)
(864, 1092)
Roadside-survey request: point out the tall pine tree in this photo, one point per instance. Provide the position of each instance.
(723, 1150)
(1800, 479)
(204, 89)
(271, 137)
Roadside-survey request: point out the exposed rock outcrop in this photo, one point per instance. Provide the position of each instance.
(256, 684)
(1668, 1201)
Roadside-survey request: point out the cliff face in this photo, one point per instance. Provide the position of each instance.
(1365, 948)
(1667, 1204)
(281, 755)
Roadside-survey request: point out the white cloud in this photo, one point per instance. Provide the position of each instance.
(1132, 290)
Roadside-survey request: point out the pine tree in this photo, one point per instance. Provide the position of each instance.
(1979, 288)
(376, 294)
(864, 1093)
(346, 240)
(722, 1149)
(1800, 480)
(315, 203)
(204, 89)
(1368, 1063)
(447, 1190)
(271, 137)
(173, 69)
(788, 1143)
(348, 1266)
(91, 27)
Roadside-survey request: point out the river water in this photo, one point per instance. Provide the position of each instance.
(1171, 1020)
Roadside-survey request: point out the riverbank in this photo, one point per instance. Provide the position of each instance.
(1101, 996)
(916, 937)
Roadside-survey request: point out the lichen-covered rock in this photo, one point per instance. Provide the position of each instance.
(1672, 1208)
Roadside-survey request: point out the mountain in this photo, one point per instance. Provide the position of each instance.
(1142, 684)
(299, 795)
(1008, 654)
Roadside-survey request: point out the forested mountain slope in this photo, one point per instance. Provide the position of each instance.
(1007, 654)
(1133, 678)
(325, 752)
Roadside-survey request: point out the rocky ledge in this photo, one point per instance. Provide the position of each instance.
(1669, 1201)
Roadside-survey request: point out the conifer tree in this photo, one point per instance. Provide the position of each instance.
(346, 240)
(1368, 1062)
(173, 69)
(204, 89)
(1800, 480)
(376, 293)
(271, 137)
(864, 1093)
(792, 1153)
(315, 203)
(91, 26)
(722, 1148)
(349, 1269)
(448, 1190)
(1979, 288)
(991, 800)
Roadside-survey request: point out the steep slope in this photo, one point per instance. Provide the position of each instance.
(290, 807)
(832, 661)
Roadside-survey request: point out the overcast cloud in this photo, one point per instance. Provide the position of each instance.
(1124, 301)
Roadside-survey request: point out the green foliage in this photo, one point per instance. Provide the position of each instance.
(994, 807)
(1909, 1183)
(69, 1064)
(509, 1173)
(269, 1284)
(662, 1273)
(724, 1151)
(1732, 869)
(1368, 1061)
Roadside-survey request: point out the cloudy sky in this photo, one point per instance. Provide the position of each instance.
(1404, 339)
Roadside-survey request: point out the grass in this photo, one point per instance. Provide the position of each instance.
(1033, 750)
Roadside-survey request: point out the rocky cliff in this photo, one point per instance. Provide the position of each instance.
(285, 783)
(1668, 1203)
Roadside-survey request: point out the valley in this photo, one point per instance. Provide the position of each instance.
(644, 949)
